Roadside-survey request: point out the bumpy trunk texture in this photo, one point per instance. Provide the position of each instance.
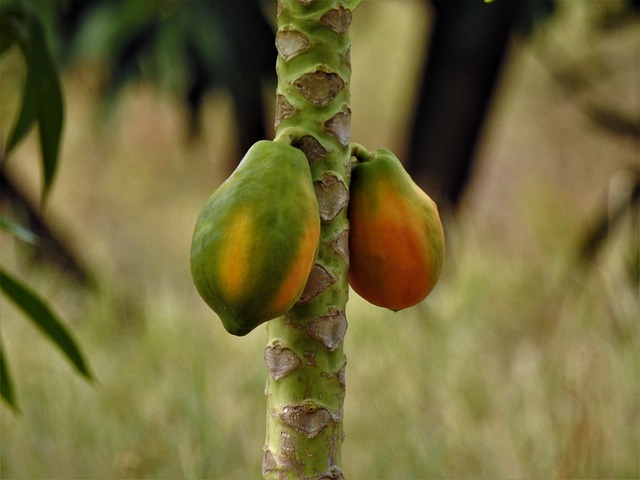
(304, 356)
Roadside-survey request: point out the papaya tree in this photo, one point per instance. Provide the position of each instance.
(272, 244)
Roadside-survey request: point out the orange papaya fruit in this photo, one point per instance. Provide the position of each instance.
(256, 238)
(396, 239)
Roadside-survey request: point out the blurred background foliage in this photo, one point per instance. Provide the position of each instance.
(186, 48)
(519, 117)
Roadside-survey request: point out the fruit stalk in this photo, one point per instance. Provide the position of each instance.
(304, 353)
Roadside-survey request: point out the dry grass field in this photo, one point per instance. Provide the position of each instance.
(523, 363)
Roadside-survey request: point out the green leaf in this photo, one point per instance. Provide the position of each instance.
(15, 23)
(50, 120)
(42, 97)
(44, 319)
(6, 386)
(18, 231)
(7, 37)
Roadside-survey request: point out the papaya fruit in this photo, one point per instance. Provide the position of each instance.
(256, 238)
(396, 239)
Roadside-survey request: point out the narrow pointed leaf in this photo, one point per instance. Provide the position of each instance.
(42, 316)
(6, 386)
(42, 97)
(50, 122)
(13, 21)
(18, 231)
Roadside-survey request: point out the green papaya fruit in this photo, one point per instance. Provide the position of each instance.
(256, 238)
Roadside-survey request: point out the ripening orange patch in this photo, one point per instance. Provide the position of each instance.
(234, 255)
(296, 278)
(404, 275)
(390, 257)
(396, 242)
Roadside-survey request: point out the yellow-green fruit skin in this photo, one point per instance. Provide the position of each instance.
(396, 239)
(256, 238)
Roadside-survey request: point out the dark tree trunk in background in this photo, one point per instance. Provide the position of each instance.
(251, 59)
(466, 50)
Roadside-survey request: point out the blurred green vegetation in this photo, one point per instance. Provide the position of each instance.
(523, 363)
(41, 106)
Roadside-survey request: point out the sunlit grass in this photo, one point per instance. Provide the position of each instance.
(505, 372)
(174, 397)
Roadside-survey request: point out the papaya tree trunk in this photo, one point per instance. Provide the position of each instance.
(304, 354)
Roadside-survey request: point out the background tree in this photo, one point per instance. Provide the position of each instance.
(195, 48)
(467, 48)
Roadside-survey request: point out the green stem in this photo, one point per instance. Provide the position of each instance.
(304, 356)
(290, 135)
(361, 153)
